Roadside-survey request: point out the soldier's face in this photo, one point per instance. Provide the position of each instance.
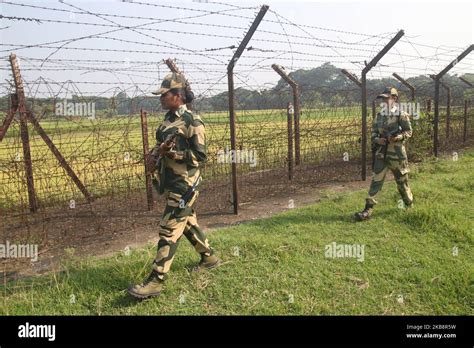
(391, 101)
(169, 101)
(387, 101)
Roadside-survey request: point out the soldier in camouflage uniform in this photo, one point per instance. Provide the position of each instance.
(390, 129)
(180, 151)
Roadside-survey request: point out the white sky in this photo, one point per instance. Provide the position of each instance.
(447, 27)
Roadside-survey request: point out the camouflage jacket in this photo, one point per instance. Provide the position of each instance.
(178, 174)
(384, 123)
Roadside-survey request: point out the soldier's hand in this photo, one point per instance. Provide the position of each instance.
(164, 148)
(394, 139)
(381, 141)
(171, 154)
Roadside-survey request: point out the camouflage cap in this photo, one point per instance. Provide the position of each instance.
(388, 92)
(171, 81)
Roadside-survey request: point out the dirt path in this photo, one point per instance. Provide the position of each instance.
(107, 244)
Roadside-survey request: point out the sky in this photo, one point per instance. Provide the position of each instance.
(103, 47)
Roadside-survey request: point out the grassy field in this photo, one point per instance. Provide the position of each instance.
(418, 261)
(107, 154)
(52, 124)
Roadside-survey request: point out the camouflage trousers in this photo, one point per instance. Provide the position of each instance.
(399, 168)
(175, 222)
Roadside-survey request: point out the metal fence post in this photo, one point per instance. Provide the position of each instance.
(146, 152)
(290, 113)
(437, 79)
(28, 116)
(465, 109)
(296, 106)
(25, 139)
(10, 115)
(448, 109)
(407, 84)
(366, 69)
(354, 79)
(230, 82)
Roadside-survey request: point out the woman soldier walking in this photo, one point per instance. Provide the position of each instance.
(179, 153)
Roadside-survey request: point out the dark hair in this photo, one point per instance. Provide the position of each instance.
(187, 96)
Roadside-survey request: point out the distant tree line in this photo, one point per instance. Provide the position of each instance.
(322, 86)
(327, 86)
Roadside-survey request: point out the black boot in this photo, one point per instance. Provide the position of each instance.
(365, 214)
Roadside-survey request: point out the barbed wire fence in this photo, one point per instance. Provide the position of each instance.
(282, 139)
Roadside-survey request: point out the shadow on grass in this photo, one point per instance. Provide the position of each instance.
(308, 217)
(90, 282)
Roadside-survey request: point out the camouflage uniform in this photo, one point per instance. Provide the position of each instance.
(396, 159)
(396, 156)
(176, 176)
(177, 172)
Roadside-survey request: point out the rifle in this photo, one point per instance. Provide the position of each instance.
(168, 141)
(154, 163)
(386, 136)
(189, 194)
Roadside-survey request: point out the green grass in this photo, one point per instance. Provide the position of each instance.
(407, 253)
